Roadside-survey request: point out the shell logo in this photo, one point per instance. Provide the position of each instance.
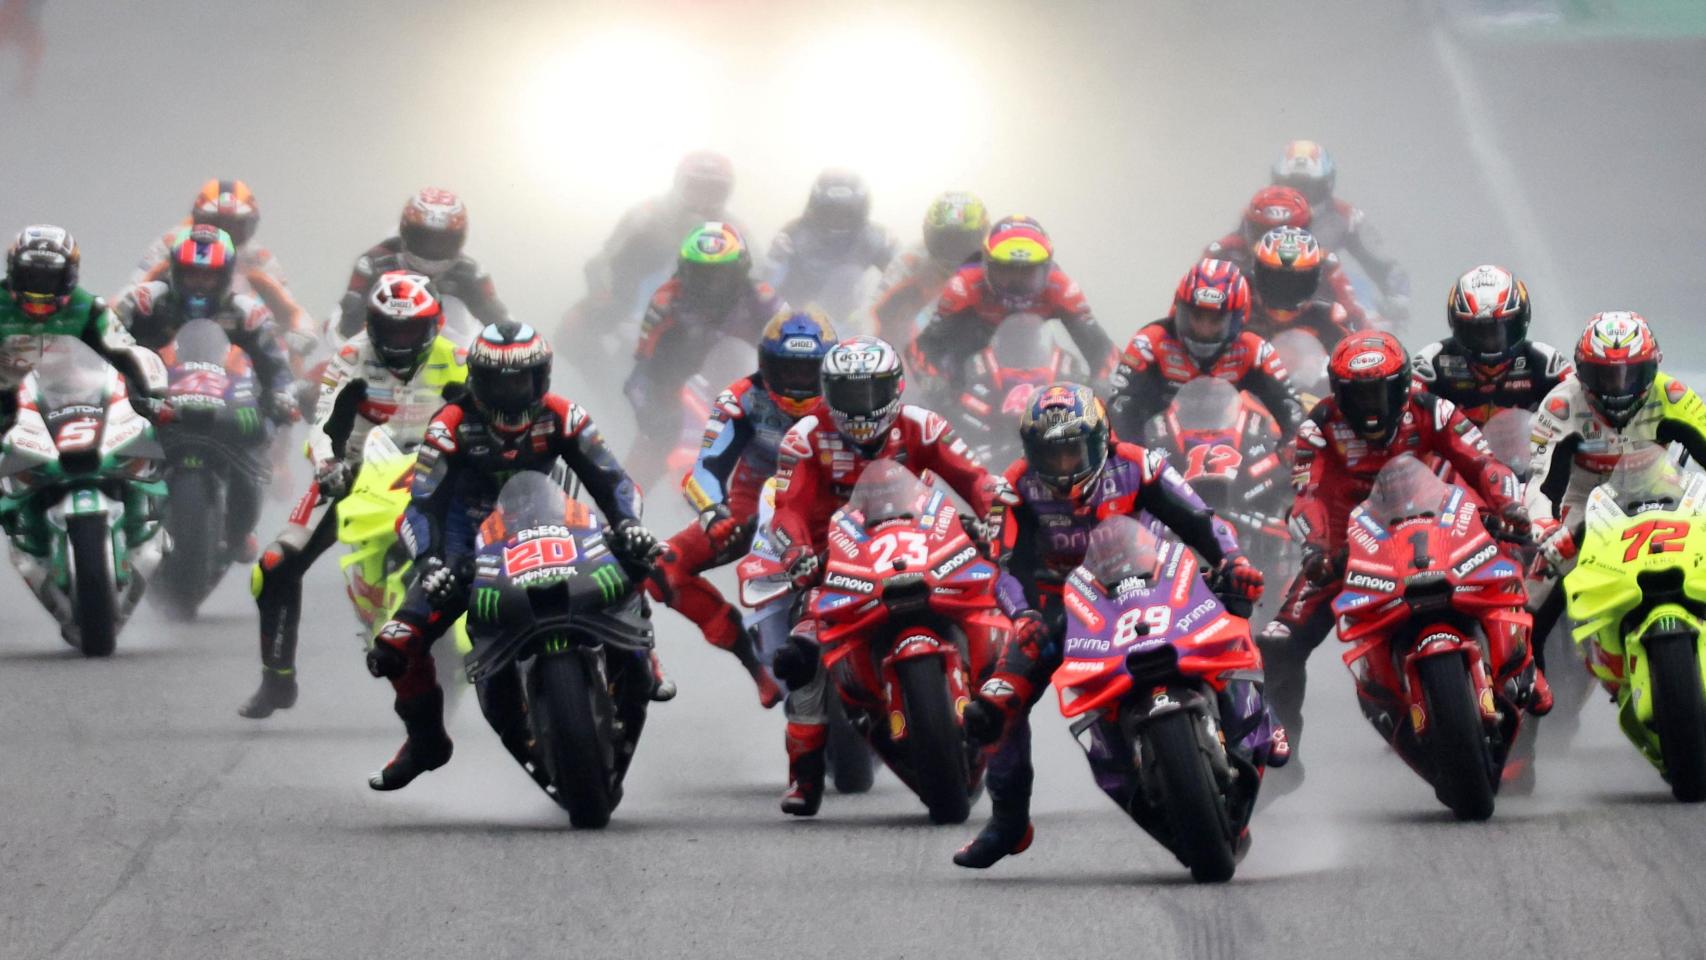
(1418, 719)
(897, 724)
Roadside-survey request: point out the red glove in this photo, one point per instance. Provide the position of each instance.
(801, 563)
(720, 527)
(1242, 578)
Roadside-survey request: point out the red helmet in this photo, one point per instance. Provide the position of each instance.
(1617, 360)
(1274, 207)
(404, 314)
(1370, 375)
(703, 181)
(1288, 264)
(228, 205)
(433, 228)
(1209, 308)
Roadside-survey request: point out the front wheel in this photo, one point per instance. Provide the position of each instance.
(851, 766)
(93, 591)
(1679, 714)
(573, 708)
(195, 521)
(935, 744)
(1191, 801)
(1456, 740)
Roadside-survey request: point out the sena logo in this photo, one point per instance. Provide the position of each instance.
(1362, 581)
(1481, 556)
(954, 562)
(836, 581)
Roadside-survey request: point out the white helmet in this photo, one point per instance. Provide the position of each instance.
(862, 384)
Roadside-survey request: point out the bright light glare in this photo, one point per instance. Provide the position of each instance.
(616, 109)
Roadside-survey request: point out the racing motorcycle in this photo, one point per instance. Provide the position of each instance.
(1638, 598)
(1306, 361)
(999, 381)
(561, 645)
(1432, 607)
(214, 436)
(1163, 687)
(1227, 447)
(909, 624)
(80, 494)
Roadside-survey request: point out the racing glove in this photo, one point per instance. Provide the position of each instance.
(1514, 518)
(801, 563)
(1557, 547)
(280, 407)
(333, 478)
(720, 527)
(1319, 568)
(1240, 578)
(635, 542)
(795, 662)
(440, 581)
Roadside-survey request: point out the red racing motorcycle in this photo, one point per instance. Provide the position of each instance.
(1432, 606)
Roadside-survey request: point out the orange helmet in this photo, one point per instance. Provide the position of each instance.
(228, 205)
(1288, 262)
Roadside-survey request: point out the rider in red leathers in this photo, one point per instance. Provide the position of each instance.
(1270, 209)
(859, 420)
(1288, 293)
(1371, 418)
(954, 227)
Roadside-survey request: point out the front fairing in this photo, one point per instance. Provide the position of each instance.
(376, 564)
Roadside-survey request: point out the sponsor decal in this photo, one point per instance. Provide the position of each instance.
(1084, 611)
(1480, 557)
(1196, 613)
(1367, 360)
(838, 581)
(954, 562)
(485, 605)
(1083, 645)
(611, 582)
(546, 551)
(1675, 390)
(1358, 580)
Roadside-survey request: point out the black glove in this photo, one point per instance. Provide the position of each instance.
(1517, 525)
(441, 582)
(801, 564)
(1318, 567)
(635, 543)
(795, 663)
(333, 477)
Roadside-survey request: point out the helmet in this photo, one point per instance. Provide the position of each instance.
(509, 371)
(203, 263)
(1273, 207)
(404, 315)
(839, 204)
(1017, 257)
(703, 181)
(433, 229)
(1370, 375)
(862, 384)
(1306, 166)
(1287, 271)
(790, 358)
(954, 227)
(41, 269)
(714, 265)
(1209, 307)
(1488, 312)
(1064, 430)
(228, 205)
(1616, 361)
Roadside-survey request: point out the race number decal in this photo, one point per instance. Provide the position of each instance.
(533, 554)
(1657, 536)
(909, 544)
(1154, 618)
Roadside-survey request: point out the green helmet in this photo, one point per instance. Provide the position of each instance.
(714, 265)
(954, 227)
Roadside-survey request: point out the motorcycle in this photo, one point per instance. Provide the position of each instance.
(1432, 607)
(1306, 361)
(560, 634)
(214, 437)
(80, 494)
(908, 625)
(999, 381)
(1163, 687)
(1227, 446)
(1637, 596)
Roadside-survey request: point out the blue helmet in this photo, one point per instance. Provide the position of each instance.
(1065, 434)
(789, 355)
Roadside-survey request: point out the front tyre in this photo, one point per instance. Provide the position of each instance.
(93, 592)
(1456, 740)
(196, 523)
(935, 744)
(1191, 801)
(1679, 714)
(573, 712)
(851, 766)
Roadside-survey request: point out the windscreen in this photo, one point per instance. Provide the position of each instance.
(70, 373)
(1507, 434)
(532, 499)
(1021, 343)
(886, 491)
(1406, 488)
(1206, 403)
(1646, 479)
(1121, 548)
(1304, 358)
(202, 341)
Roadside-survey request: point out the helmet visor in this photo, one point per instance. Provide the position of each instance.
(710, 283)
(1618, 387)
(1018, 281)
(1286, 288)
(862, 396)
(1317, 190)
(431, 243)
(794, 377)
(1203, 329)
(1485, 337)
(200, 283)
(507, 391)
(401, 339)
(705, 196)
(39, 274)
(1373, 406)
(1064, 461)
(952, 245)
(240, 227)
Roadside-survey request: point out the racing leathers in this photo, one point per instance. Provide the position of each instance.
(810, 265)
(1156, 364)
(675, 338)
(817, 468)
(638, 256)
(85, 317)
(463, 463)
(738, 455)
(1330, 322)
(461, 279)
(1334, 471)
(911, 284)
(967, 314)
(1575, 450)
(1235, 249)
(1446, 369)
(358, 394)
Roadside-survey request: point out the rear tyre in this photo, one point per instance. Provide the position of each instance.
(1191, 802)
(935, 744)
(1679, 714)
(1457, 739)
(576, 739)
(93, 591)
(851, 766)
(195, 523)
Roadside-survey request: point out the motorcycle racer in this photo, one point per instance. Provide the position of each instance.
(1203, 337)
(1488, 363)
(859, 420)
(396, 373)
(821, 256)
(746, 426)
(1287, 292)
(1269, 209)
(508, 422)
(1372, 417)
(954, 228)
(1074, 474)
(1340, 225)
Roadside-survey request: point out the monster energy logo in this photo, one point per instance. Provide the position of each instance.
(486, 603)
(610, 582)
(248, 419)
(556, 643)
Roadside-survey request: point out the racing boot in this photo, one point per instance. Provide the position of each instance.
(1008, 832)
(276, 692)
(428, 747)
(663, 688)
(1539, 695)
(807, 745)
(733, 637)
(1279, 746)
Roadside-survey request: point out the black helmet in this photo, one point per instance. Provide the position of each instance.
(509, 372)
(41, 269)
(839, 203)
